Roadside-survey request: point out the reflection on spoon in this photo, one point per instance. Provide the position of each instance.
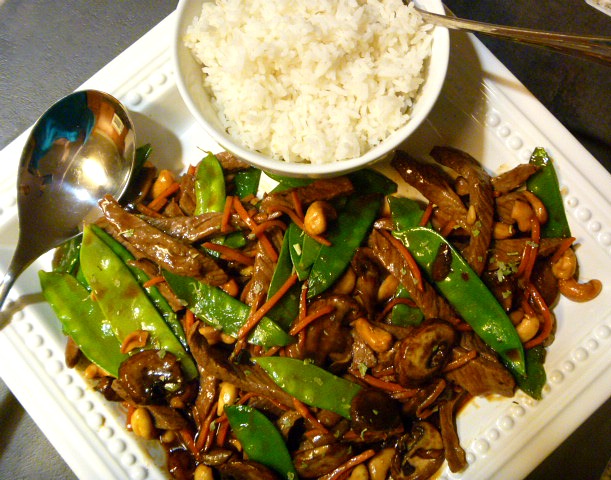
(82, 148)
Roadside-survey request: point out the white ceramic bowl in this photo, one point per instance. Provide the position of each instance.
(190, 84)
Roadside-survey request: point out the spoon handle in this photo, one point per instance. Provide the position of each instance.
(20, 261)
(590, 47)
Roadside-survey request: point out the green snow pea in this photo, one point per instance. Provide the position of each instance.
(533, 382)
(287, 308)
(82, 319)
(469, 296)
(169, 315)
(406, 213)
(404, 315)
(303, 250)
(209, 186)
(142, 155)
(347, 233)
(310, 384)
(67, 256)
(124, 302)
(372, 181)
(247, 182)
(285, 183)
(260, 439)
(224, 312)
(544, 184)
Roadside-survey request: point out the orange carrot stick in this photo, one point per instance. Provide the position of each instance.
(411, 263)
(153, 281)
(349, 465)
(305, 321)
(225, 227)
(548, 318)
(267, 245)
(159, 201)
(228, 253)
(256, 317)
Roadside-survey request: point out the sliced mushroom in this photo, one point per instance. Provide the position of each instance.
(150, 377)
(318, 461)
(424, 352)
(246, 470)
(418, 454)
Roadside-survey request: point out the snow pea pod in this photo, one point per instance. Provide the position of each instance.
(544, 184)
(82, 319)
(155, 295)
(372, 181)
(209, 186)
(224, 312)
(469, 296)
(348, 232)
(247, 182)
(303, 250)
(533, 382)
(124, 302)
(310, 384)
(67, 255)
(260, 439)
(287, 308)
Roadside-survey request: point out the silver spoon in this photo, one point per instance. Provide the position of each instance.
(590, 47)
(80, 149)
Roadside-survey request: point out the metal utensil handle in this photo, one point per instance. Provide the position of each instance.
(591, 47)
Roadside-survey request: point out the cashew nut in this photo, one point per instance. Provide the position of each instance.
(317, 217)
(564, 268)
(471, 215)
(378, 340)
(537, 205)
(579, 292)
(359, 473)
(142, 423)
(203, 472)
(522, 213)
(502, 231)
(228, 393)
(528, 327)
(346, 283)
(388, 287)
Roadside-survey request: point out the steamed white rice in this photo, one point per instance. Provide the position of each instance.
(311, 81)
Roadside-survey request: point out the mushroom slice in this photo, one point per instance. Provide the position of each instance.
(418, 454)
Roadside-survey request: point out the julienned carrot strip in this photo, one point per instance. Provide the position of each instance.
(221, 434)
(386, 386)
(460, 361)
(187, 438)
(204, 431)
(159, 201)
(304, 411)
(447, 228)
(267, 245)
(393, 303)
(563, 247)
(548, 319)
(153, 281)
(228, 253)
(192, 170)
(256, 316)
(261, 227)
(421, 411)
(225, 227)
(349, 465)
(534, 247)
(142, 208)
(305, 321)
(299, 222)
(426, 216)
(297, 204)
(189, 320)
(411, 263)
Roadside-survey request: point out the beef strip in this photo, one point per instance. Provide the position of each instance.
(434, 184)
(191, 229)
(164, 250)
(230, 163)
(186, 199)
(514, 178)
(427, 300)
(480, 199)
(255, 292)
(484, 375)
(322, 189)
(454, 453)
(510, 250)
(213, 362)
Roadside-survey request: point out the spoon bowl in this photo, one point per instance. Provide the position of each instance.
(82, 148)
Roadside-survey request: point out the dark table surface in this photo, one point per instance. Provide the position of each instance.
(48, 48)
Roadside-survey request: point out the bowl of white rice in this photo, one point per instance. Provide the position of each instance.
(313, 88)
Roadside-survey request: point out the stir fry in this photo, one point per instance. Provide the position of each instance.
(329, 328)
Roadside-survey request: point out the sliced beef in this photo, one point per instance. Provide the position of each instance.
(509, 251)
(164, 250)
(434, 184)
(427, 300)
(481, 200)
(484, 375)
(514, 178)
